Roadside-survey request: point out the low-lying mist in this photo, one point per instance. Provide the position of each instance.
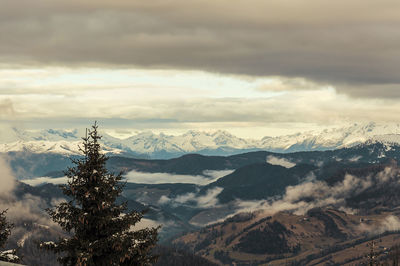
(26, 212)
(314, 193)
(207, 177)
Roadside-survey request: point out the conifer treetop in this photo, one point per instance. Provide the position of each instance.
(101, 229)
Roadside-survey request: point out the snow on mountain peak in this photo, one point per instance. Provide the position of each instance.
(194, 141)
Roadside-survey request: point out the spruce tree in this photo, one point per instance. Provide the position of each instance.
(99, 227)
(5, 231)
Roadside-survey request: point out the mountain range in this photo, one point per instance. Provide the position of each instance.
(308, 205)
(162, 146)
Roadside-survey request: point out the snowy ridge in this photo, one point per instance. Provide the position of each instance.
(59, 147)
(62, 147)
(192, 141)
(161, 145)
(334, 138)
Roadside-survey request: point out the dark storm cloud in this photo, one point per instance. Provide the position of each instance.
(353, 44)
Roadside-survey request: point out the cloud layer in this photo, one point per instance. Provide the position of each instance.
(162, 178)
(133, 177)
(181, 108)
(353, 44)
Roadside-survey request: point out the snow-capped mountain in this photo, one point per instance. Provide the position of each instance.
(46, 141)
(333, 138)
(191, 141)
(208, 143)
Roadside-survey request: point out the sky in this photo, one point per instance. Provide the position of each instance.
(254, 68)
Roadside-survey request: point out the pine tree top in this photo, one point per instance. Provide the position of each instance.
(101, 229)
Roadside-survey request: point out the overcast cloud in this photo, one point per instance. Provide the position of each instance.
(352, 44)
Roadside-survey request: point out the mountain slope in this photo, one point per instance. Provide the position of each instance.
(27, 164)
(319, 237)
(259, 181)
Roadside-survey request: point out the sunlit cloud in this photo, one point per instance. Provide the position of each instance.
(173, 101)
